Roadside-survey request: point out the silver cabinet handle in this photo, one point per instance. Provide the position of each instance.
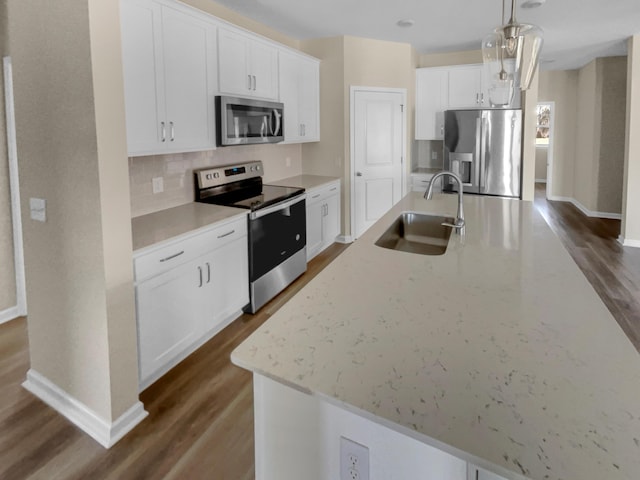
(300, 129)
(255, 83)
(358, 174)
(173, 131)
(208, 272)
(164, 131)
(248, 82)
(315, 196)
(441, 129)
(226, 234)
(200, 273)
(172, 256)
(333, 189)
(304, 130)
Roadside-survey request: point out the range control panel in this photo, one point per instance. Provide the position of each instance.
(213, 177)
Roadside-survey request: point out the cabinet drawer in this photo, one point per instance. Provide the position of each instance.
(176, 253)
(319, 194)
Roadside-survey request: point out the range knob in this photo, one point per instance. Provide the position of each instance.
(252, 168)
(216, 175)
(208, 176)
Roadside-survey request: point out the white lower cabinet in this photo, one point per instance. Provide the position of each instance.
(323, 217)
(188, 291)
(420, 182)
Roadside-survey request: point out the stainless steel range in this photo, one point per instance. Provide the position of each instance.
(277, 224)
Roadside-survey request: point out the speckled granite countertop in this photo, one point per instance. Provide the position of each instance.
(158, 227)
(500, 350)
(304, 181)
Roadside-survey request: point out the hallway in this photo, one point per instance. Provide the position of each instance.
(612, 270)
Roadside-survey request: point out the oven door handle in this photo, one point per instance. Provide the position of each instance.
(278, 206)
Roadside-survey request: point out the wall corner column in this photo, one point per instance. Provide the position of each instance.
(630, 228)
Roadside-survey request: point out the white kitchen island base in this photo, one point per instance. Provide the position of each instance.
(297, 436)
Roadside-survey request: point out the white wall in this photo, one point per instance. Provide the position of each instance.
(298, 437)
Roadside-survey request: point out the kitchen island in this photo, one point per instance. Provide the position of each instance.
(498, 352)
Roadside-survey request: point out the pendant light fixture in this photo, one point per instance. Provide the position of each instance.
(510, 55)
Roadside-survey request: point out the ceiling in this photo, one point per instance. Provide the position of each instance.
(575, 31)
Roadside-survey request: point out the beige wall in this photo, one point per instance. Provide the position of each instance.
(450, 58)
(612, 134)
(529, 123)
(71, 144)
(220, 11)
(7, 269)
(587, 137)
(177, 171)
(560, 87)
(346, 62)
(630, 231)
(541, 163)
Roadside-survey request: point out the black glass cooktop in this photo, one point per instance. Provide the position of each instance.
(254, 198)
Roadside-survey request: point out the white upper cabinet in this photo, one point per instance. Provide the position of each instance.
(299, 92)
(247, 66)
(466, 87)
(432, 91)
(169, 78)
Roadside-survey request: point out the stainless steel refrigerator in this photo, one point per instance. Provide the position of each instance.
(484, 147)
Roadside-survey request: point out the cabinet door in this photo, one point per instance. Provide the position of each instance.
(314, 227)
(233, 63)
(168, 316)
(331, 223)
(431, 98)
(288, 85)
(264, 69)
(141, 25)
(309, 100)
(227, 271)
(189, 53)
(465, 87)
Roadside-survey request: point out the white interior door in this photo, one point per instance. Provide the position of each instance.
(377, 149)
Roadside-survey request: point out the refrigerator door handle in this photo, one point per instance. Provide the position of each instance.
(479, 160)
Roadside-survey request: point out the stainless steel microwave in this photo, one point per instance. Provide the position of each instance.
(242, 121)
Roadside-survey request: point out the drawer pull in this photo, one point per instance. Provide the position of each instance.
(170, 257)
(334, 189)
(226, 234)
(316, 196)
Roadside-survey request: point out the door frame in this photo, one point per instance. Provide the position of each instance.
(14, 189)
(549, 147)
(403, 164)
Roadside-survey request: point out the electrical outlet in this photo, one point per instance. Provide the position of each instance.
(434, 155)
(288, 161)
(157, 184)
(38, 209)
(354, 460)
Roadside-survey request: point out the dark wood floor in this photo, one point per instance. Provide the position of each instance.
(200, 423)
(612, 270)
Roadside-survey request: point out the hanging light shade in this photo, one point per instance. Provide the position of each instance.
(510, 55)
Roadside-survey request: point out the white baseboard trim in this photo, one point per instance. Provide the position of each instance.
(625, 242)
(344, 239)
(585, 210)
(106, 433)
(541, 180)
(9, 314)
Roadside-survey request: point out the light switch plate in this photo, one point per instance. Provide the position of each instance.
(38, 209)
(157, 184)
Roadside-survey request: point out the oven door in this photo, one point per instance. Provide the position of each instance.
(276, 234)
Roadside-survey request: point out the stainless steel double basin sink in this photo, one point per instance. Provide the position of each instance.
(417, 233)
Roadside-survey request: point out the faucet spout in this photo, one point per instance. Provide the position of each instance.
(459, 224)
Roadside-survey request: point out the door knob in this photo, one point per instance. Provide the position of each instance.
(358, 174)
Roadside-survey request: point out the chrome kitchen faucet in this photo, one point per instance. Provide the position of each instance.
(458, 225)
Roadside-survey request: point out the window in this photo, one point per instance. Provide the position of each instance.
(544, 119)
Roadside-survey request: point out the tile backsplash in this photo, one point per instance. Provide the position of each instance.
(176, 170)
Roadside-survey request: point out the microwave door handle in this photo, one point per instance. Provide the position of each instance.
(275, 116)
